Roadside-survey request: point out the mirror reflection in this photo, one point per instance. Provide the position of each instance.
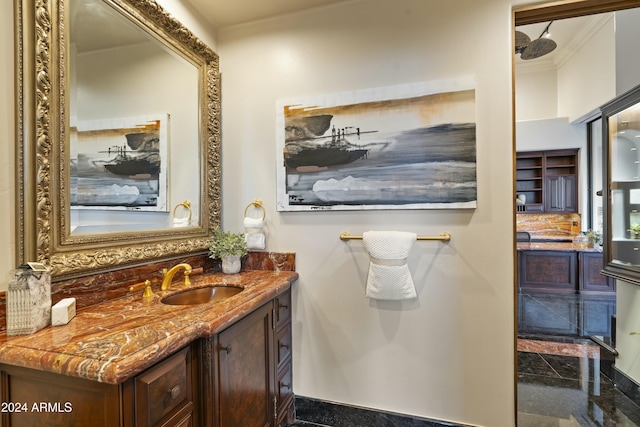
(624, 135)
(119, 123)
(133, 135)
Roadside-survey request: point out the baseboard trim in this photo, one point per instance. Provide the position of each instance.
(341, 415)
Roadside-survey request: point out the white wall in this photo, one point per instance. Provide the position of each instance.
(627, 52)
(429, 357)
(536, 94)
(588, 79)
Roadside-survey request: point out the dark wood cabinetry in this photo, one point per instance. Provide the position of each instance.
(250, 383)
(245, 371)
(547, 180)
(239, 377)
(163, 395)
(563, 271)
(529, 180)
(548, 270)
(73, 401)
(284, 375)
(591, 277)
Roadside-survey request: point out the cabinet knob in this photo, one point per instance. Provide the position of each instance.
(175, 392)
(227, 349)
(284, 346)
(285, 306)
(285, 385)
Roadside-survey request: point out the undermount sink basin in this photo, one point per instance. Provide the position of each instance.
(202, 295)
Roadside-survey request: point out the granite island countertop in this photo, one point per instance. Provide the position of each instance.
(556, 246)
(115, 340)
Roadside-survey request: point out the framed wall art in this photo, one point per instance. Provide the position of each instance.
(409, 146)
(119, 164)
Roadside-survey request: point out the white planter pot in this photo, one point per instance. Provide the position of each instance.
(231, 264)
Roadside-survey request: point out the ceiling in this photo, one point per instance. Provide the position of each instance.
(569, 34)
(224, 13)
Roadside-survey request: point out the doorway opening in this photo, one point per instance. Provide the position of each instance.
(566, 333)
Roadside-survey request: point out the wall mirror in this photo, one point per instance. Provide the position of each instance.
(118, 153)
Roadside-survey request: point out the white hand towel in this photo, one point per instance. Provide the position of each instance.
(389, 277)
(255, 240)
(181, 222)
(253, 222)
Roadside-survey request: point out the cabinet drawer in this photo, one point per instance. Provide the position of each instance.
(285, 387)
(163, 389)
(283, 345)
(283, 308)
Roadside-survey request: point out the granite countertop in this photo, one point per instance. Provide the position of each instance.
(556, 246)
(115, 340)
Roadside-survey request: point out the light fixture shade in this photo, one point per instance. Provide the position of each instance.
(522, 41)
(538, 48)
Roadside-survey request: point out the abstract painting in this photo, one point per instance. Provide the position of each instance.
(409, 146)
(119, 164)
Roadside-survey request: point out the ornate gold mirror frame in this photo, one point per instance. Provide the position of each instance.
(42, 177)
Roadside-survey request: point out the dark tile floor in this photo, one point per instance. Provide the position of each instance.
(564, 377)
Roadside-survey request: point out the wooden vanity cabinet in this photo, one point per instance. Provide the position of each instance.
(163, 395)
(284, 375)
(251, 379)
(74, 401)
(245, 371)
(240, 377)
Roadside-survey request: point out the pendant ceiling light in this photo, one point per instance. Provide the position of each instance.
(534, 49)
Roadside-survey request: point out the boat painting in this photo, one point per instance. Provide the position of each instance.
(404, 147)
(117, 164)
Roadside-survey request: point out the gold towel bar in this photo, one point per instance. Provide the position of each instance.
(444, 237)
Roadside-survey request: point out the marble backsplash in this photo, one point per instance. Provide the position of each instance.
(101, 287)
(549, 226)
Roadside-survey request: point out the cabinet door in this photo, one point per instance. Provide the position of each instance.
(245, 371)
(561, 193)
(549, 270)
(47, 399)
(591, 279)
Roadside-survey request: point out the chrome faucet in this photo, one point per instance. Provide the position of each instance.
(167, 276)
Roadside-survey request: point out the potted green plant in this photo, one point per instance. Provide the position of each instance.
(594, 237)
(229, 247)
(635, 230)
